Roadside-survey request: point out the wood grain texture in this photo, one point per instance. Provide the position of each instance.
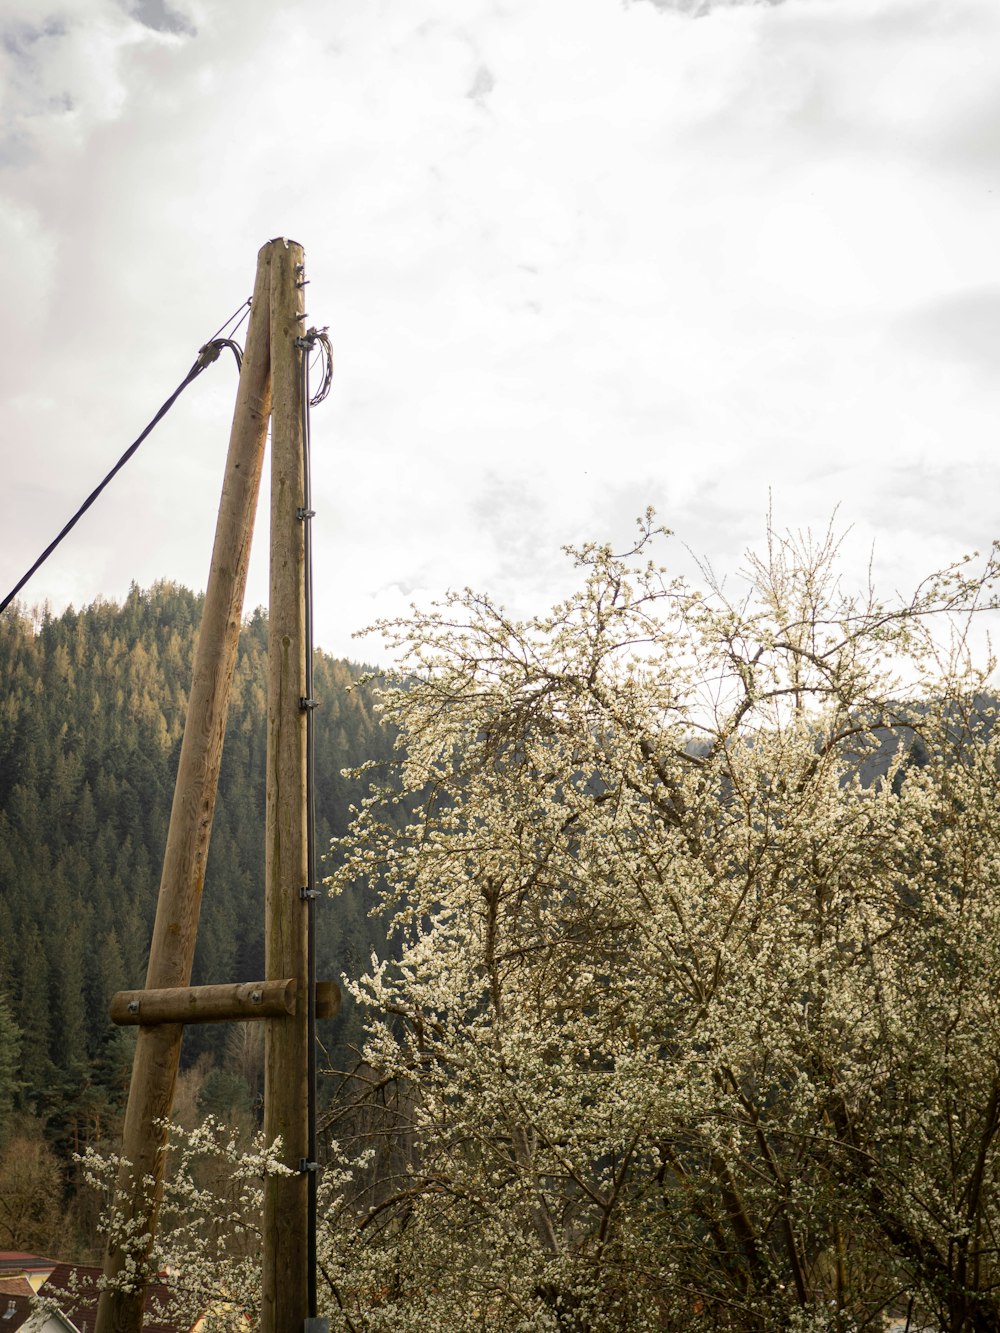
(235, 1002)
(285, 1275)
(154, 1071)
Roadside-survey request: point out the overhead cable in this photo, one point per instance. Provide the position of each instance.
(208, 353)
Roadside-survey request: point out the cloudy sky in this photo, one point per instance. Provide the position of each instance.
(576, 256)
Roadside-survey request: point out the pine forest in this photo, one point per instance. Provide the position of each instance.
(92, 706)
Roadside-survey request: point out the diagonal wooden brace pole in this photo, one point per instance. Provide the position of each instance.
(154, 1071)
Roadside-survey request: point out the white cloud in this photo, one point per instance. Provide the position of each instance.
(608, 254)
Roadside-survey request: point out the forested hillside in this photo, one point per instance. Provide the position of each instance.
(92, 707)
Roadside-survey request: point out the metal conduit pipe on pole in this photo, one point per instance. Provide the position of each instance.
(311, 890)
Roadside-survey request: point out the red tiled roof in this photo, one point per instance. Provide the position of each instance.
(82, 1309)
(16, 1286)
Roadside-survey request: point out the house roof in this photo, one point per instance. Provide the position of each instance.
(14, 1311)
(18, 1261)
(17, 1266)
(82, 1307)
(16, 1286)
(17, 1311)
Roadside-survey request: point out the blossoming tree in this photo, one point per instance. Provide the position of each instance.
(695, 1015)
(693, 1018)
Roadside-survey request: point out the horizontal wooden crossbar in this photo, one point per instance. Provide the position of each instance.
(236, 1002)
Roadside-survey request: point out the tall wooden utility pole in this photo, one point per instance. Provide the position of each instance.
(271, 384)
(286, 872)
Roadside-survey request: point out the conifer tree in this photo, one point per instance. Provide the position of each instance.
(10, 1058)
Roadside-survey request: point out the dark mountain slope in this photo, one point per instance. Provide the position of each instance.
(92, 709)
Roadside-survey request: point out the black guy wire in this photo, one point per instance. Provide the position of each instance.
(245, 307)
(206, 355)
(246, 311)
